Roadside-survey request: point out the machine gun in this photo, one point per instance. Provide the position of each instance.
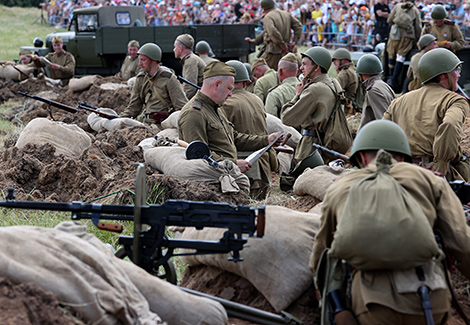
(150, 248)
(94, 109)
(49, 102)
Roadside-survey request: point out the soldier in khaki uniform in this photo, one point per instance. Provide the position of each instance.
(156, 92)
(433, 116)
(347, 77)
(378, 95)
(193, 66)
(26, 59)
(250, 85)
(399, 45)
(246, 112)
(278, 96)
(266, 78)
(426, 42)
(374, 294)
(130, 67)
(447, 32)
(62, 63)
(203, 49)
(278, 27)
(203, 119)
(314, 101)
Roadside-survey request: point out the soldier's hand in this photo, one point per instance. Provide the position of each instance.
(273, 136)
(448, 45)
(298, 88)
(243, 165)
(55, 66)
(35, 57)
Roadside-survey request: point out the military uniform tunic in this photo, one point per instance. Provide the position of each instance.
(311, 111)
(432, 118)
(144, 99)
(207, 59)
(193, 67)
(379, 95)
(408, 36)
(130, 68)
(202, 119)
(443, 211)
(448, 31)
(280, 95)
(65, 60)
(412, 72)
(266, 82)
(349, 81)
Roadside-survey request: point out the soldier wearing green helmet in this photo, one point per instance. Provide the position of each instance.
(317, 97)
(378, 296)
(156, 92)
(203, 49)
(446, 31)
(433, 116)
(378, 94)
(426, 43)
(347, 78)
(250, 86)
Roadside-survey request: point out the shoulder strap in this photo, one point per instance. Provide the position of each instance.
(152, 85)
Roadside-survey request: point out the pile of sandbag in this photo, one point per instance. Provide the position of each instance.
(98, 123)
(83, 83)
(84, 275)
(68, 139)
(9, 72)
(277, 264)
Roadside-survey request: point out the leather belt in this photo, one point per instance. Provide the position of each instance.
(311, 133)
(158, 117)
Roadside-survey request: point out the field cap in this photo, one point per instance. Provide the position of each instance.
(258, 62)
(25, 52)
(57, 39)
(187, 40)
(133, 43)
(218, 68)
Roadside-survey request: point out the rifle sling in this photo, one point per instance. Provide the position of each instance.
(158, 95)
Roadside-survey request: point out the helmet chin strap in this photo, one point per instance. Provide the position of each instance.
(309, 75)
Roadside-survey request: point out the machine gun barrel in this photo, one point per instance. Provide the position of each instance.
(188, 82)
(94, 109)
(49, 102)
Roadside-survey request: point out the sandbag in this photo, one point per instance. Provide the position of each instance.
(68, 139)
(171, 121)
(8, 72)
(277, 264)
(275, 125)
(112, 86)
(83, 83)
(147, 143)
(171, 133)
(98, 123)
(316, 181)
(131, 81)
(172, 161)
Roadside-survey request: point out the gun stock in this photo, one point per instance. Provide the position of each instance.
(94, 109)
(188, 82)
(331, 152)
(49, 102)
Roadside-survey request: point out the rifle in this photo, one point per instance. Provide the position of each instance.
(188, 82)
(49, 102)
(331, 152)
(151, 248)
(94, 109)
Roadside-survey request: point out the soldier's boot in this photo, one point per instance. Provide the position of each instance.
(396, 77)
(391, 68)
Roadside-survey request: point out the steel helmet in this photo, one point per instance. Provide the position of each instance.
(241, 74)
(436, 62)
(425, 40)
(380, 134)
(268, 4)
(319, 55)
(341, 54)
(248, 67)
(311, 161)
(438, 13)
(369, 64)
(202, 47)
(37, 42)
(152, 50)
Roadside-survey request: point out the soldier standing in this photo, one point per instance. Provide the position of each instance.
(378, 95)
(62, 62)
(266, 78)
(375, 297)
(447, 32)
(193, 66)
(278, 96)
(426, 43)
(203, 119)
(433, 116)
(156, 92)
(203, 49)
(347, 78)
(278, 27)
(130, 67)
(405, 31)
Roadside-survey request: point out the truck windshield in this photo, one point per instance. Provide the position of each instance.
(87, 23)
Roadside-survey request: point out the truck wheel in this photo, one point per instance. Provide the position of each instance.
(166, 271)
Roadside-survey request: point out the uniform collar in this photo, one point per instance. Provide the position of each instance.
(207, 100)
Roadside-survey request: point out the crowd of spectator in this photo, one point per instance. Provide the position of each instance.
(330, 23)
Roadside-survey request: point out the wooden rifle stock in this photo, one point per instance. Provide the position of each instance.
(93, 109)
(331, 152)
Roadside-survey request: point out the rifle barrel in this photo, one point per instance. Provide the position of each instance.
(49, 102)
(188, 82)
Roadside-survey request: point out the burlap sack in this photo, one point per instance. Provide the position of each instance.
(170, 133)
(68, 139)
(147, 143)
(275, 125)
(277, 264)
(112, 86)
(171, 121)
(98, 123)
(83, 83)
(131, 82)
(8, 72)
(172, 161)
(316, 181)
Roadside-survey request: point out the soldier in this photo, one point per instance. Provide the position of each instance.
(62, 64)
(315, 100)
(130, 67)
(278, 96)
(433, 116)
(447, 32)
(26, 58)
(347, 77)
(193, 66)
(156, 92)
(203, 49)
(278, 25)
(246, 112)
(426, 43)
(374, 295)
(406, 29)
(378, 94)
(250, 85)
(203, 119)
(266, 78)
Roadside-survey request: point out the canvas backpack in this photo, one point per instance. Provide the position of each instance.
(404, 19)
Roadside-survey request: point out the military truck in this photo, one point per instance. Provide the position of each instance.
(98, 38)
